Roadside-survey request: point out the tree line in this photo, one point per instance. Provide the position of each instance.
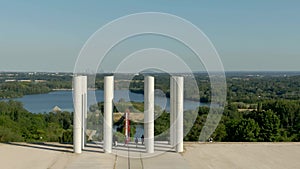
(17, 124)
(272, 120)
(240, 87)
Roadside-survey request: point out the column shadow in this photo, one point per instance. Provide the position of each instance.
(44, 146)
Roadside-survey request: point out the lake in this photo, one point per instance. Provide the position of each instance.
(40, 103)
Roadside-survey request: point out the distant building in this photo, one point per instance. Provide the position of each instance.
(10, 80)
(24, 80)
(56, 109)
(40, 81)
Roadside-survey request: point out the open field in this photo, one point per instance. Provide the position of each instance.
(196, 156)
(136, 117)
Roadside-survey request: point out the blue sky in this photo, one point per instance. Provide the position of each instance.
(248, 35)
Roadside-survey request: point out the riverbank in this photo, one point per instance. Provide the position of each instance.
(167, 94)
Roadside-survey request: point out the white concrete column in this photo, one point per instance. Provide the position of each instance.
(172, 112)
(149, 113)
(108, 110)
(77, 119)
(179, 113)
(84, 109)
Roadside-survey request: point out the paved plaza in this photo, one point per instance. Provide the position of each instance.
(195, 156)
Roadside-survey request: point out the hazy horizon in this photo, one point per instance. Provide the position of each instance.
(232, 71)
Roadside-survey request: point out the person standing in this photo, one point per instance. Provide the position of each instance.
(136, 141)
(142, 139)
(115, 140)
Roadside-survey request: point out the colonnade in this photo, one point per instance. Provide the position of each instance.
(176, 113)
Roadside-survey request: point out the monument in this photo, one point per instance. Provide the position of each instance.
(176, 113)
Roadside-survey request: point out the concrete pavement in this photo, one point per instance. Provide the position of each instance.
(197, 155)
(128, 157)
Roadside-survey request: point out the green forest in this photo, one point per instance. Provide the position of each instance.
(260, 108)
(273, 120)
(17, 124)
(13, 85)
